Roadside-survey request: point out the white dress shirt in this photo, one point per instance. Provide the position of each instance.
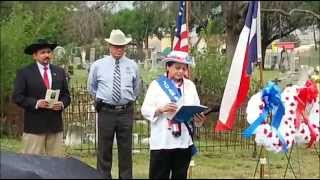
(161, 137)
(41, 69)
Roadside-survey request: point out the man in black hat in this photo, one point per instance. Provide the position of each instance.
(42, 125)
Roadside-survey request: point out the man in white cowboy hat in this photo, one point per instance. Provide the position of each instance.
(114, 82)
(171, 144)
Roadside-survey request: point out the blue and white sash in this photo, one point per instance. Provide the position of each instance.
(169, 88)
(172, 91)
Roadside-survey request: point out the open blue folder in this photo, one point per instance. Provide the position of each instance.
(186, 113)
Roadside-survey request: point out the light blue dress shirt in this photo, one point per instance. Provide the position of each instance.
(100, 80)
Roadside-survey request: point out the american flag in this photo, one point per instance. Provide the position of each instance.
(180, 41)
(247, 52)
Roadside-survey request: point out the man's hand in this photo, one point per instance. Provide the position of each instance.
(199, 119)
(42, 103)
(57, 106)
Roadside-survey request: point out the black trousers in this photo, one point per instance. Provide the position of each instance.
(111, 122)
(176, 161)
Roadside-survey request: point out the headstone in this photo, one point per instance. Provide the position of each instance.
(92, 54)
(153, 60)
(146, 63)
(77, 60)
(73, 135)
(83, 56)
(145, 141)
(135, 138)
(59, 52)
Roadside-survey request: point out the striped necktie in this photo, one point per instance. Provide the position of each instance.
(116, 92)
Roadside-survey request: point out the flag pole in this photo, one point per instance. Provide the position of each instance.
(263, 157)
(259, 53)
(188, 12)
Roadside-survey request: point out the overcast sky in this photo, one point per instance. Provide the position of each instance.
(120, 5)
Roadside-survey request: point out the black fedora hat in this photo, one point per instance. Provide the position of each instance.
(39, 44)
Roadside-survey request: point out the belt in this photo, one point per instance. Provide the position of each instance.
(116, 107)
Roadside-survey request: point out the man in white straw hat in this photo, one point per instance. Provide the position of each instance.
(114, 82)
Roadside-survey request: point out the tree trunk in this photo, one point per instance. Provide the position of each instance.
(233, 14)
(314, 38)
(231, 40)
(140, 53)
(263, 53)
(146, 45)
(172, 37)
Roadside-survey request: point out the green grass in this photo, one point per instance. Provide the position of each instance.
(267, 75)
(147, 75)
(232, 163)
(311, 58)
(80, 76)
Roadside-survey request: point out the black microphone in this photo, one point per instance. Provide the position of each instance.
(214, 108)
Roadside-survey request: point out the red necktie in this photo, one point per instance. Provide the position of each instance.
(45, 77)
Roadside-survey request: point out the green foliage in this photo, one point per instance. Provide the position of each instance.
(20, 28)
(210, 75)
(129, 21)
(14, 38)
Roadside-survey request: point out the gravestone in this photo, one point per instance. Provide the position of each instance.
(76, 60)
(59, 53)
(153, 60)
(83, 56)
(73, 136)
(92, 54)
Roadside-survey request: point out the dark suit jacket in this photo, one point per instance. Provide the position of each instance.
(29, 87)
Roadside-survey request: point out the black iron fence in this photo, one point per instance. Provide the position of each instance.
(80, 127)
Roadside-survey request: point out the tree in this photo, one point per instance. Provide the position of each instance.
(271, 27)
(234, 13)
(141, 22)
(131, 23)
(23, 25)
(85, 23)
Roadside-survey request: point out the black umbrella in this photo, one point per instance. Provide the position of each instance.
(28, 166)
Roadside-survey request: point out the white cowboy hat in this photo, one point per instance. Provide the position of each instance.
(117, 37)
(179, 57)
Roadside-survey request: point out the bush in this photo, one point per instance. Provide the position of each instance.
(210, 75)
(79, 66)
(70, 70)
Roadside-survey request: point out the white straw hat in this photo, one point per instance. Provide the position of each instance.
(117, 37)
(179, 57)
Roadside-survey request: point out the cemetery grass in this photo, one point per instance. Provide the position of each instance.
(310, 58)
(80, 76)
(223, 163)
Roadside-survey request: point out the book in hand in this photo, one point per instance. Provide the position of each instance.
(187, 112)
(52, 96)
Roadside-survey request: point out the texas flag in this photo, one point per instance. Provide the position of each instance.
(180, 41)
(247, 52)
